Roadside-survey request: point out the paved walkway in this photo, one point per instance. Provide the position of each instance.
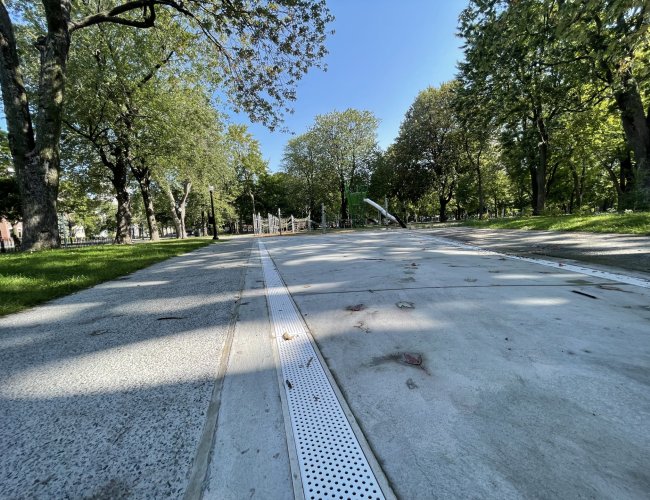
(522, 381)
(621, 251)
(104, 393)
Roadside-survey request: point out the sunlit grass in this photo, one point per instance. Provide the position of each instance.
(634, 223)
(28, 279)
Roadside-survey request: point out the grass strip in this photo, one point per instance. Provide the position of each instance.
(635, 223)
(29, 279)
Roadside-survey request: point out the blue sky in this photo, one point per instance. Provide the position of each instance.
(382, 54)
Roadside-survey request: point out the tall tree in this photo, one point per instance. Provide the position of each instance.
(508, 47)
(245, 156)
(427, 149)
(260, 49)
(348, 141)
(194, 150)
(302, 160)
(606, 44)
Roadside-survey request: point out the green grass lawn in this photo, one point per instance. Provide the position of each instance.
(634, 223)
(28, 279)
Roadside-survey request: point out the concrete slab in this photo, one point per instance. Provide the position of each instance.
(533, 382)
(104, 393)
(250, 457)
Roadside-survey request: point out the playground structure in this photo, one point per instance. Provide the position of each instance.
(384, 212)
(272, 224)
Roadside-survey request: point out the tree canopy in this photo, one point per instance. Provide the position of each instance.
(256, 51)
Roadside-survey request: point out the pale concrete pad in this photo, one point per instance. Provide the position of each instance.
(250, 457)
(104, 393)
(533, 381)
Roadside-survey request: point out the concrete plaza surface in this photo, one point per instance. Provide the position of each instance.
(533, 381)
(520, 381)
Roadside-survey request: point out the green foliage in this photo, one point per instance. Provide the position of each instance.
(547, 75)
(335, 155)
(316, 183)
(245, 157)
(427, 150)
(28, 279)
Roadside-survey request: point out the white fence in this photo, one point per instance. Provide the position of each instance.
(278, 225)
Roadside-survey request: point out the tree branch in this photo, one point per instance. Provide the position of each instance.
(112, 16)
(151, 73)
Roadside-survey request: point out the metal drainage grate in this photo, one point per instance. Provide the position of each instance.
(332, 463)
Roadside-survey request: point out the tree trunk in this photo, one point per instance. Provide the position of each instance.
(443, 208)
(36, 157)
(123, 216)
(143, 176)
(174, 213)
(119, 179)
(344, 200)
(623, 182)
(252, 199)
(187, 187)
(481, 196)
(576, 194)
(636, 126)
(539, 180)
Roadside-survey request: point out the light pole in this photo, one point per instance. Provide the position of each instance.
(214, 220)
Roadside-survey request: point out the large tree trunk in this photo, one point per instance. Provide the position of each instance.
(174, 212)
(143, 176)
(443, 208)
(123, 215)
(636, 125)
(623, 182)
(36, 157)
(118, 167)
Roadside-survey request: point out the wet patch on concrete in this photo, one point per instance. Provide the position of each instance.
(410, 384)
(579, 281)
(414, 360)
(613, 288)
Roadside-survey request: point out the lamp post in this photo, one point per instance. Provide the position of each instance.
(214, 220)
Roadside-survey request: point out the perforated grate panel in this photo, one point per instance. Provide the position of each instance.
(332, 463)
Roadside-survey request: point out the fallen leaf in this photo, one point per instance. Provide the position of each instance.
(412, 359)
(357, 307)
(405, 305)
